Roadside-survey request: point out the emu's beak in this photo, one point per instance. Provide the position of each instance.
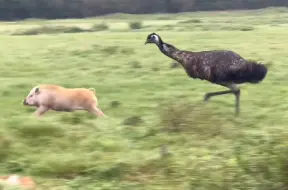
(24, 102)
(146, 42)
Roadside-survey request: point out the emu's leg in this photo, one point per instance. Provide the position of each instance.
(210, 94)
(237, 103)
(233, 90)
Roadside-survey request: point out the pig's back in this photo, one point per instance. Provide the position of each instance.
(51, 87)
(82, 96)
(60, 96)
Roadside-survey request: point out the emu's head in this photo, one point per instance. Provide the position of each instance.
(153, 38)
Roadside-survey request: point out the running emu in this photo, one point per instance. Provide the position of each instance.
(225, 68)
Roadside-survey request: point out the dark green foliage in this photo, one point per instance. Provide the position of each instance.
(115, 172)
(191, 21)
(135, 64)
(36, 129)
(100, 27)
(15, 166)
(12, 10)
(115, 104)
(76, 118)
(264, 159)
(127, 51)
(175, 65)
(51, 30)
(5, 145)
(110, 50)
(133, 120)
(135, 25)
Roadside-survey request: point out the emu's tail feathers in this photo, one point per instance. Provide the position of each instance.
(258, 72)
(252, 72)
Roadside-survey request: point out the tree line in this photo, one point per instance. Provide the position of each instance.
(52, 9)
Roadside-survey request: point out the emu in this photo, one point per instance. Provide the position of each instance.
(222, 67)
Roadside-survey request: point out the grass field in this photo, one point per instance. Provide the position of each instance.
(149, 104)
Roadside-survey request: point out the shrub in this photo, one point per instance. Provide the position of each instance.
(15, 166)
(246, 28)
(5, 186)
(77, 118)
(127, 51)
(239, 28)
(115, 104)
(110, 50)
(5, 144)
(191, 21)
(51, 30)
(133, 120)
(115, 171)
(135, 64)
(34, 128)
(198, 119)
(264, 158)
(100, 27)
(135, 25)
(175, 65)
(65, 165)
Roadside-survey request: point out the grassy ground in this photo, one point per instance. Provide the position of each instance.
(149, 104)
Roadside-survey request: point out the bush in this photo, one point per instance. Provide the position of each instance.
(175, 65)
(5, 186)
(35, 132)
(246, 28)
(133, 120)
(183, 117)
(115, 104)
(239, 28)
(191, 21)
(66, 165)
(264, 159)
(135, 64)
(77, 117)
(135, 25)
(110, 50)
(100, 27)
(127, 51)
(51, 30)
(5, 144)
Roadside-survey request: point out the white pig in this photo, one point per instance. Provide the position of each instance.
(53, 97)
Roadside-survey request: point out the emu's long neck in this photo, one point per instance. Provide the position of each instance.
(171, 51)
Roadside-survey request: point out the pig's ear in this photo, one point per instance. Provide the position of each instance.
(37, 91)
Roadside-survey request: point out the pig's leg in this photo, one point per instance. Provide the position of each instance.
(40, 111)
(97, 111)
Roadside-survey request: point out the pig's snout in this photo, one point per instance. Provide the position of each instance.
(25, 102)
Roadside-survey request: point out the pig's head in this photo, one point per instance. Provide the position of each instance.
(31, 99)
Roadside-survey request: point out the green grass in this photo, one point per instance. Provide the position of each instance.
(149, 104)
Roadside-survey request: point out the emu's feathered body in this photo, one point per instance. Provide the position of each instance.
(222, 67)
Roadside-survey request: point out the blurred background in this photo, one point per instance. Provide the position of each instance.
(159, 134)
(56, 9)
